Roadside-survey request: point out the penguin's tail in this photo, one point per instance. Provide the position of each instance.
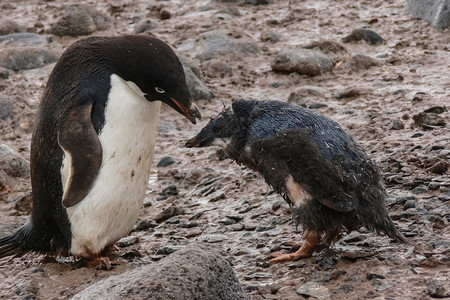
(388, 227)
(17, 243)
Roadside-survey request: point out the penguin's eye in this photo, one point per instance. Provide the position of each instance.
(159, 90)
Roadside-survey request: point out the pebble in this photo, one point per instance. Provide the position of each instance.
(127, 241)
(7, 107)
(440, 167)
(409, 204)
(270, 36)
(258, 275)
(313, 289)
(213, 238)
(317, 105)
(365, 34)
(142, 225)
(4, 73)
(167, 250)
(80, 19)
(238, 227)
(143, 26)
(348, 93)
(302, 61)
(168, 213)
(371, 276)
(165, 161)
(436, 289)
(429, 120)
(169, 191)
(173, 220)
(10, 26)
(396, 124)
(421, 189)
(445, 196)
(227, 221)
(358, 62)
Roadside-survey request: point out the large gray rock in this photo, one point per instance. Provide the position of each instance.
(81, 19)
(27, 57)
(435, 12)
(12, 163)
(194, 272)
(218, 43)
(303, 61)
(197, 89)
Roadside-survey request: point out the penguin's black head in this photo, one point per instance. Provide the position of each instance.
(216, 132)
(155, 68)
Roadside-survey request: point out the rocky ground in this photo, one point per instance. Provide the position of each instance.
(389, 90)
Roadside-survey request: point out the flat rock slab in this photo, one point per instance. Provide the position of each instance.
(435, 12)
(27, 57)
(194, 272)
(25, 38)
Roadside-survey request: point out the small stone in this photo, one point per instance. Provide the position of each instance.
(142, 225)
(258, 275)
(165, 161)
(429, 120)
(10, 26)
(409, 204)
(173, 220)
(365, 34)
(445, 196)
(313, 289)
(4, 73)
(436, 289)
(218, 68)
(317, 105)
(227, 221)
(143, 26)
(434, 186)
(165, 14)
(250, 227)
(348, 93)
(396, 124)
(270, 36)
(238, 227)
(167, 250)
(371, 276)
(127, 241)
(440, 167)
(169, 191)
(213, 238)
(358, 62)
(419, 190)
(168, 213)
(221, 196)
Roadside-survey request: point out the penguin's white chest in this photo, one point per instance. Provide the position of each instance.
(111, 208)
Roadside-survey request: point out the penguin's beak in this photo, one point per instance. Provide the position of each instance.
(190, 112)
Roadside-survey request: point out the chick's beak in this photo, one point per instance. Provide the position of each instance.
(190, 112)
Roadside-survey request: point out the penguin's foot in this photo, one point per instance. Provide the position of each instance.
(305, 250)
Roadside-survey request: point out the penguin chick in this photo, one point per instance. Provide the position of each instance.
(92, 147)
(309, 160)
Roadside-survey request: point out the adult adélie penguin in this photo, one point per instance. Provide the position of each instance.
(306, 157)
(92, 147)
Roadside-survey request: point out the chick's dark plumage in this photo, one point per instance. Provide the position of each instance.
(308, 159)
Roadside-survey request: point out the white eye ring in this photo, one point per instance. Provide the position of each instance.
(159, 90)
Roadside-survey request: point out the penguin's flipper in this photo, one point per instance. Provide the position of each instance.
(83, 153)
